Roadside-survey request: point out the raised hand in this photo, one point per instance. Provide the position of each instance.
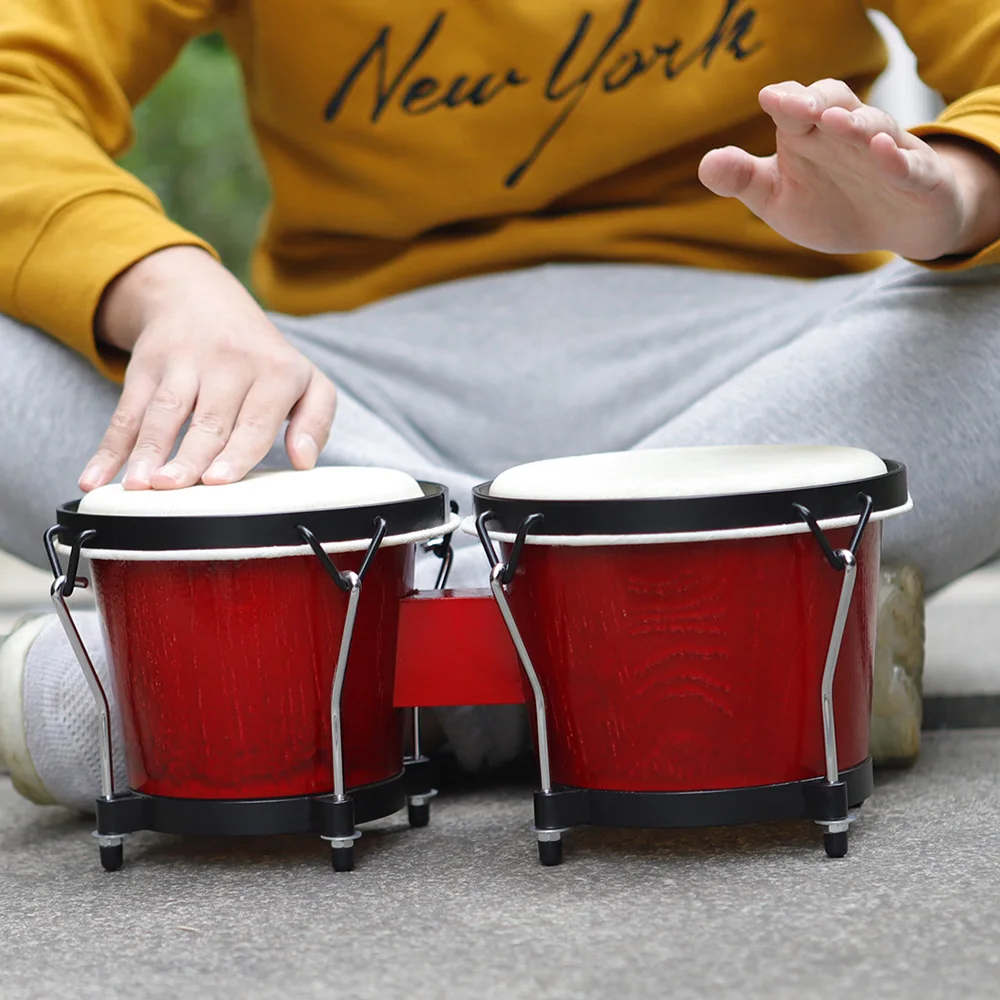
(847, 178)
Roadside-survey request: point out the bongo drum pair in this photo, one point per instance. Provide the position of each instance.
(693, 629)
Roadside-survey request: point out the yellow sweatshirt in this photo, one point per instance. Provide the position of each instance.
(415, 141)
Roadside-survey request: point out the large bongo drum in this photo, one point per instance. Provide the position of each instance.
(251, 630)
(696, 629)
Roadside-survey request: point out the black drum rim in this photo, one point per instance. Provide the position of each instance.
(691, 515)
(220, 532)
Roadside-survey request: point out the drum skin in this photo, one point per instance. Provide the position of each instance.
(696, 666)
(223, 672)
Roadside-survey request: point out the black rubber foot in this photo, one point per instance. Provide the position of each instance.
(343, 858)
(550, 852)
(835, 844)
(112, 858)
(418, 815)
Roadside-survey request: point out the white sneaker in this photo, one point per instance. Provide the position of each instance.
(49, 725)
(14, 754)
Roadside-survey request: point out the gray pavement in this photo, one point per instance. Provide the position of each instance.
(461, 909)
(963, 637)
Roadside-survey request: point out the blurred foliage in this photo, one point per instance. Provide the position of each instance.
(194, 148)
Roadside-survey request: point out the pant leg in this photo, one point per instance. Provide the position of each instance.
(908, 368)
(496, 370)
(453, 383)
(54, 408)
(501, 369)
(459, 381)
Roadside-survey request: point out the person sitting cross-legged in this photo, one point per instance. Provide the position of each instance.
(499, 232)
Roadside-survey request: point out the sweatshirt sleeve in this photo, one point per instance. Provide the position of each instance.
(957, 45)
(71, 219)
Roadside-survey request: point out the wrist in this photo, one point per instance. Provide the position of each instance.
(976, 169)
(135, 295)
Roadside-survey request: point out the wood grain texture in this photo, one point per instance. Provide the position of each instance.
(696, 666)
(223, 673)
(454, 649)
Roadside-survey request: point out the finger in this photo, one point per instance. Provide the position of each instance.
(833, 94)
(123, 429)
(309, 426)
(913, 170)
(860, 126)
(169, 407)
(215, 413)
(732, 172)
(888, 157)
(792, 107)
(264, 410)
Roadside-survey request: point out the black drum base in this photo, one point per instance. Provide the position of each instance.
(815, 799)
(334, 820)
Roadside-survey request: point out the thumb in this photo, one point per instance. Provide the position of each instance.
(732, 172)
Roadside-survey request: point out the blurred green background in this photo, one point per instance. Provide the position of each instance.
(195, 150)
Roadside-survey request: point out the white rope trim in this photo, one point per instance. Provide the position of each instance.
(265, 552)
(763, 531)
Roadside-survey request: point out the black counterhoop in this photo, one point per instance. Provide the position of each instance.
(245, 531)
(675, 515)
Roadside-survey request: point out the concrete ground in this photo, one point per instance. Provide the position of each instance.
(462, 909)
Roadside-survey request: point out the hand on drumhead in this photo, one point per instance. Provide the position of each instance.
(202, 349)
(848, 178)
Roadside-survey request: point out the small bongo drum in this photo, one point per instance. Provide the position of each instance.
(251, 630)
(696, 630)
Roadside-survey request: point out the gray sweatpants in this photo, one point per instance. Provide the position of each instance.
(457, 382)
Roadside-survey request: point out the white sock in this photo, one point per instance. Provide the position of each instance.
(61, 721)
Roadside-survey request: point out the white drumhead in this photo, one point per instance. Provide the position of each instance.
(327, 488)
(670, 473)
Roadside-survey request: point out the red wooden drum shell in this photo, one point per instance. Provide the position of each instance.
(223, 672)
(697, 665)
